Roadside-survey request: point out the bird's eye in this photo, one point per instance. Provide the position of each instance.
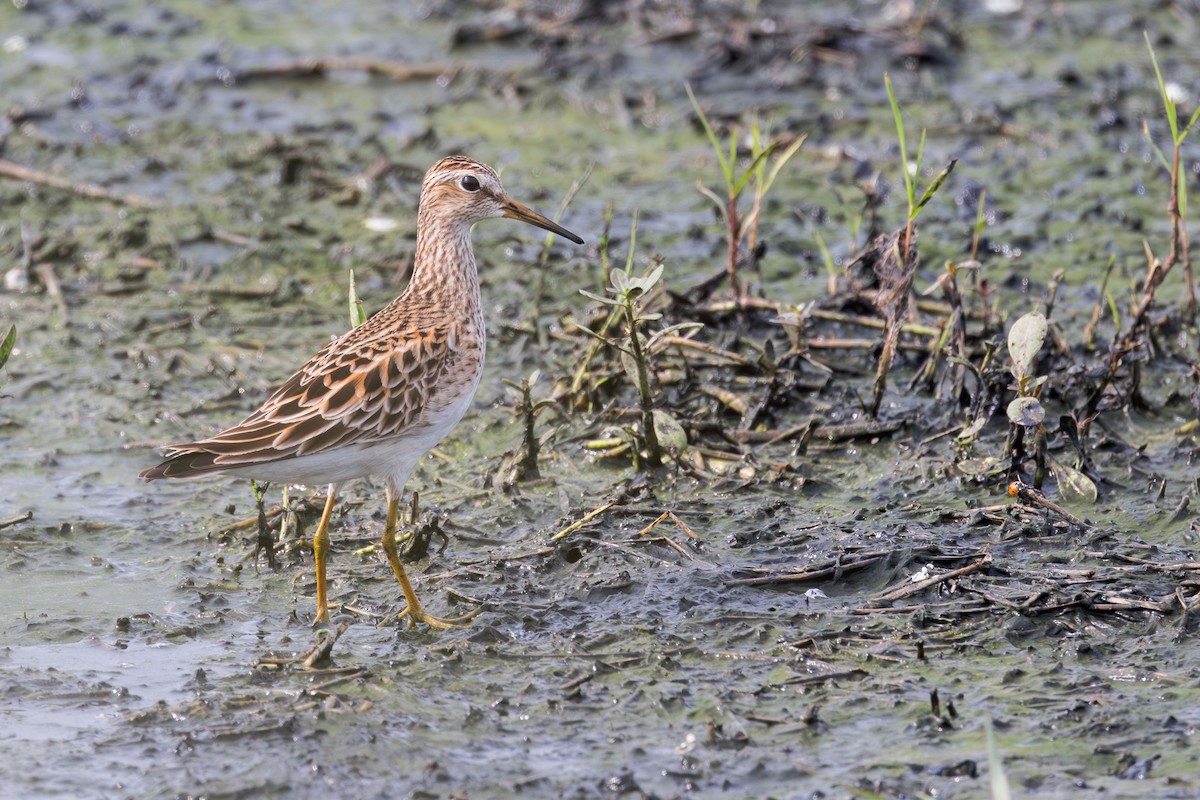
(470, 183)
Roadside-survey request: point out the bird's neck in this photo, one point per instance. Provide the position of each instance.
(444, 265)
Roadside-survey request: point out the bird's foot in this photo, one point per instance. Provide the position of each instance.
(442, 623)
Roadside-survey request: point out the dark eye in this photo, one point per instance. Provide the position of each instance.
(470, 183)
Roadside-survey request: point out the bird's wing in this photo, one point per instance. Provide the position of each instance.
(360, 388)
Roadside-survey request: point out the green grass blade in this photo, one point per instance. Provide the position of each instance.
(632, 243)
(726, 167)
(781, 160)
(981, 215)
(717, 201)
(908, 180)
(1168, 103)
(826, 256)
(732, 162)
(6, 347)
(750, 170)
(1191, 122)
(756, 146)
(1162, 157)
(933, 187)
(916, 173)
(604, 240)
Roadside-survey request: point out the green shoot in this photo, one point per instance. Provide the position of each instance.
(831, 268)
(980, 225)
(1179, 252)
(911, 174)
(357, 314)
(6, 346)
(1177, 135)
(661, 432)
(739, 230)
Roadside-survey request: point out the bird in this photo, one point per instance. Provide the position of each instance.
(376, 399)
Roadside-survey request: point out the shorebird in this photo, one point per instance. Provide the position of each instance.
(375, 400)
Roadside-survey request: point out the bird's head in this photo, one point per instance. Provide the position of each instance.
(467, 191)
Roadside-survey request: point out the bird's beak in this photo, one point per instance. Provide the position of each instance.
(514, 210)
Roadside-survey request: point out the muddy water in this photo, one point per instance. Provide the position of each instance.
(142, 647)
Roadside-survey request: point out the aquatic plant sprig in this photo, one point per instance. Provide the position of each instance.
(525, 467)
(1026, 338)
(911, 173)
(883, 273)
(1180, 251)
(740, 229)
(953, 341)
(661, 433)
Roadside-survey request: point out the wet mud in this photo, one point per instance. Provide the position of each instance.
(803, 600)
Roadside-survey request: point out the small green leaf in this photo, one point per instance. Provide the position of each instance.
(933, 187)
(681, 326)
(1073, 485)
(619, 279)
(608, 301)
(646, 282)
(969, 432)
(977, 467)
(1026, 411)
(6, 347)
(750, 170)
(781, 161)
(629, 365)
(1025, 339)
(718, 202)
(671, 435)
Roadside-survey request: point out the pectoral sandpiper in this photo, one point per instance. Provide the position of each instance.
(376, 399)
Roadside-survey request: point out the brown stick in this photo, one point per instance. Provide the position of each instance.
(913, 588)
(1032, 496)
(8, 169)
(7, 523)
(323, 649)
(317, 67)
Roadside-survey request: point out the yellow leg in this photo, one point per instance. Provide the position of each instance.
(415, 611)
(321, 551)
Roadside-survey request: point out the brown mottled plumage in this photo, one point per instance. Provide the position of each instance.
(376, 399)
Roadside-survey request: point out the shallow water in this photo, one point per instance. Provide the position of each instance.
(138, 640)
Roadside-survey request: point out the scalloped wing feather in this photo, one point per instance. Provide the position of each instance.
(357, 390)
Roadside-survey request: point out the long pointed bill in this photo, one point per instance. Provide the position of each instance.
(514, 210)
